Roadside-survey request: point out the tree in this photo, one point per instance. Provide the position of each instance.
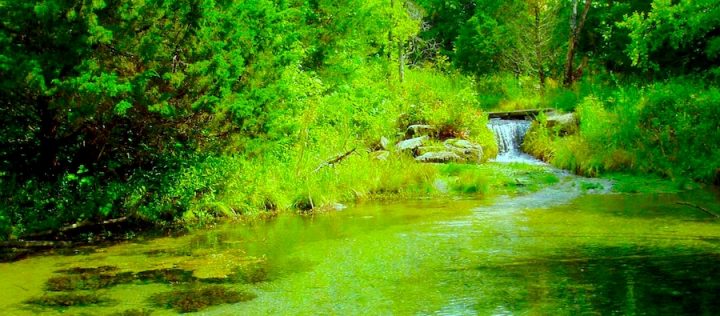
(126, 92)
(116, 85)
(676, 36)
(538, 45)
(571, 74)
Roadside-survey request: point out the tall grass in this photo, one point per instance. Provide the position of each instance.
(671, 129)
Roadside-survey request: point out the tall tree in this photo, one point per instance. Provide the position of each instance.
(538, 36)
(571, 74)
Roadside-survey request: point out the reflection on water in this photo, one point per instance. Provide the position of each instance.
(558, 251)
(622, 281)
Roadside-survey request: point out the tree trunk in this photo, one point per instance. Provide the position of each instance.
(400, 47)
(390, 35)
(47, 159)
(538, 49)
(575, 29)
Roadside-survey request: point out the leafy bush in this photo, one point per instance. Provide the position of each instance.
(666, 128)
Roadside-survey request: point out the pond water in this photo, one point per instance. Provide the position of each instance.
(557, 251)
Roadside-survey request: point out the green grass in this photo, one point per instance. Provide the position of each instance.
(496, 178)
(629, 183)
(667, 129)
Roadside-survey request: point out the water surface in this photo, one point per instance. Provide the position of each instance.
(557, 251)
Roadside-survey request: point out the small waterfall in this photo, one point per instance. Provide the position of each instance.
(509, 135)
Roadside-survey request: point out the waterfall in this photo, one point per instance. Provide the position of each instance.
(509, 135)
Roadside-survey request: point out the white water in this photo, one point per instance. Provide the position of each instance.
(510, 135)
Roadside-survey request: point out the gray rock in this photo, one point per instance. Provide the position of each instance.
(439, 157)
(380, 155)
(467, 150)
(426, 149)
(384, 143)
(566, 124)
(410, 144)
(441, 185)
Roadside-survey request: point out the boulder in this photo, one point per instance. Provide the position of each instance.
(410, 144)
(426, 149)
(439, 157)
(380, 155)
(467, 150)
(384, 143)
(566, 124)
(379, 144)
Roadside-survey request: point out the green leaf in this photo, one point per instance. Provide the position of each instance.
(122, 107)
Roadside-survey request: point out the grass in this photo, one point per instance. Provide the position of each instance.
(496, 178)
(666, 129)
(629, 183)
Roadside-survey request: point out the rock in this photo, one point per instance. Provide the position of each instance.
(338, 206)
(566, 124)
(379, 144)
(426, 149)
(439, 157)
(384, 143)
(380, 155)
(421, 129)
(467, 150)
(410, 144)
(441, 185)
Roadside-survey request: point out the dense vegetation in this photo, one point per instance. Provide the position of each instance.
(166, 110)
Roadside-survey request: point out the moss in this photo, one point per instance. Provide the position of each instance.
(89, 280)
(166, 276)
(66, 300)
(81, 270)
(254, 273)
(199, 298)
(134, 312)
(100, 278)
(585, 186)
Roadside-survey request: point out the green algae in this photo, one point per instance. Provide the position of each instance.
(67, 300)
(134, 312)
(556, 250)
(199, 298)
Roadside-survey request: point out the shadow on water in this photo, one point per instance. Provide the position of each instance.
(649, 206)
(615, 281)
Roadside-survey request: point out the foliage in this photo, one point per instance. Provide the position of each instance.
(679, 35)
(183, 111)
(130, 108)
(646, 129)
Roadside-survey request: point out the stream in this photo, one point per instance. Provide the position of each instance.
(558, 251)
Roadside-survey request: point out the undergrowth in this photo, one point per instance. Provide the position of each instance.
(669, 129)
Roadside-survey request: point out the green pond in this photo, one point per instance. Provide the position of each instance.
(557, 251)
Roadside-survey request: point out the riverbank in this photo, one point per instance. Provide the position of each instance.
(358, 179)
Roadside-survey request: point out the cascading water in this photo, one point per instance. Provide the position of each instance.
(509, 135)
